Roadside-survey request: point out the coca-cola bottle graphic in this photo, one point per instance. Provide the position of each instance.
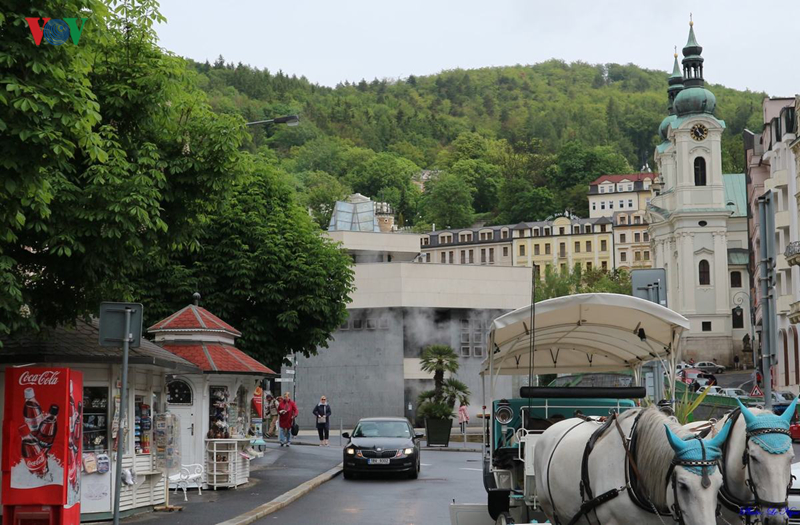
(48, 429)
(32, 453)
(73, 449)
(32, 411)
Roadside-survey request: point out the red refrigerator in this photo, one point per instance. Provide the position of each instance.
(42, 446)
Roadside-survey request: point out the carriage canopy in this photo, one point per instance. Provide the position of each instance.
(596, 332)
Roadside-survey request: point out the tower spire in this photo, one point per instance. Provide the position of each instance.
(692, 60)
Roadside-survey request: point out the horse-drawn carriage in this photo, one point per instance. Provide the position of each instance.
(582, 334)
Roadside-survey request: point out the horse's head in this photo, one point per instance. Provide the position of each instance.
(694, 478)
(767, 461)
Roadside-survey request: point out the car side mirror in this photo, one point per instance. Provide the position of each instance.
(346, 435)
(419, 436)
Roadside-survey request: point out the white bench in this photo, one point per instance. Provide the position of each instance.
(189, 474)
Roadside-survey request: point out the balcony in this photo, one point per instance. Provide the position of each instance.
(792, 253)
(794, 312)
(780, 179)
(783, 219)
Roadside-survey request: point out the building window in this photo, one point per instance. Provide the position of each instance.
(463, 257)
(637, 256)
(637, 237)
(547, 248)
(704, 271)
(577, 247)
(536, 249)
(594, 206)
(646, 255)
(602, 228)
(562, 249)
(602, 205)
(623, 256)
(547, 232)
(603, 245)
(491, 255)
(444, 257)
(561, 230)
(610, 205)
(472, 256)
(345, 326)
(604, 265)
(451, 257)
(477, 351)
(358, 324)
(646, 237)
(536, 232)
(588, 228)
(465, 351)
(738, 318)
(505, 251)
(699, 171)
(621, 204)
(483, 255)
(563, 269)
(706, 326)
(588, 246)
(622, 219)
(576, 229)
(424, 241)
(622, 238)
(630, 203)
(179, 393)
(428, 257)
(372, 324)
(521, 250)
(504, 234)
(588, 265)
(636, 220)
(465, 337)
(736, 279)
(383, 323)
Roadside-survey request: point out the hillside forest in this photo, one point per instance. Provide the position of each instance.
(498, 145)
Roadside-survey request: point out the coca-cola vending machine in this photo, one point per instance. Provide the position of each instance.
(42, 446)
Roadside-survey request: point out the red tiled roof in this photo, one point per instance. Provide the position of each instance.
(214, 357)
(633, 177)
(194, 317)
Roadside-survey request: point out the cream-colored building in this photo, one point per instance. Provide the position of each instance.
(611, 194)
(632, 241)
(698, 218)
(560, 243)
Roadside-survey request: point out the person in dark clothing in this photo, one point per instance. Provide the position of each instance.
(323, 414)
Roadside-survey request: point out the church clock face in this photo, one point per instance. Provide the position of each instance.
(699, 132)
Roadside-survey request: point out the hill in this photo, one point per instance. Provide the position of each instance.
(513, 143)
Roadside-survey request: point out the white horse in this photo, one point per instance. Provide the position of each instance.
(678, 476)
(757, 465)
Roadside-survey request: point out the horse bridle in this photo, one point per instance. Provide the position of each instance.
(704, 464)
(729, 499)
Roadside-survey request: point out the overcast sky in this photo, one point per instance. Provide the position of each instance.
(746, 44)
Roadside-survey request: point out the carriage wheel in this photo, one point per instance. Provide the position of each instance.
(504, 518)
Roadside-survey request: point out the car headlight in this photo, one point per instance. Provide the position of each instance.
(350, 451)
(408, 451)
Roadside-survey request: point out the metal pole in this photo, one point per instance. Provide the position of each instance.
(341, 429)
(123, 399)
(767, 335)
(773, 307)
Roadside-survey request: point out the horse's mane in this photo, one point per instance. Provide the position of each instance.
(654, 453)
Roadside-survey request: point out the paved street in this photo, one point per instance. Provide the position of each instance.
(391, 500)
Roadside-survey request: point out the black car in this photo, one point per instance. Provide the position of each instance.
(382, 444)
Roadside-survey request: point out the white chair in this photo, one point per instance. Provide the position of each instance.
(189, 474)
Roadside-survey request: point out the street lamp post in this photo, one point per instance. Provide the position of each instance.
(289, 120)
(738, 300)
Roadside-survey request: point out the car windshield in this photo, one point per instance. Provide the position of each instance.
(382, 429)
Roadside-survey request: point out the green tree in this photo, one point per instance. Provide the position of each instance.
(320, 193)
(447, 202)
(579, 164)
(264, 267)
(439, 402)
(483, 179)
(554, 283)
(387, 177)
(521, 201)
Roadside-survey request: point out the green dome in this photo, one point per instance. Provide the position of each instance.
(662, 129)
(695, 100)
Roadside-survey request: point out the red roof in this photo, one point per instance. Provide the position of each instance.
(633, 177)
(216, 357)
(195, 318)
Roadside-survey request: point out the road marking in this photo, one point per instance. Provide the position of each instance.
(426, 464)
(467, 468)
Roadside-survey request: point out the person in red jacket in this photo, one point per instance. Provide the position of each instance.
(287, 411)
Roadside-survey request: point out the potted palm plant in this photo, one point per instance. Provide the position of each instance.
(436, 406)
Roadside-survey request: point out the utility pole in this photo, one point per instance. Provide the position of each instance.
(769, 321)
(652, 285)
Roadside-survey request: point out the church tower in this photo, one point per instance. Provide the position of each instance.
(690, 216)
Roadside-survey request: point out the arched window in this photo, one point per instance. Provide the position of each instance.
(699, 171)
(736, 279)
(705, 273)
(179, 393)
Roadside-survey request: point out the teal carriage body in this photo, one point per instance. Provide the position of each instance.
(577, 334)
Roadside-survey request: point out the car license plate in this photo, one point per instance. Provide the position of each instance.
(378, 461)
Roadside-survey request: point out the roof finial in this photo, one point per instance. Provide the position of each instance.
(196, 296)
(676, 52)
(691, 22)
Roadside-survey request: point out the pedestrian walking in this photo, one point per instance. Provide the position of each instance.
(463, 418)
(272, 415)
(323, 414)
(691, 361)
(736, 362)
(287, 411)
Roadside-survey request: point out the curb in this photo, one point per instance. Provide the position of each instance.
(448, 449)
(284, 499)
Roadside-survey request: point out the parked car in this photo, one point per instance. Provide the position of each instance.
(793, 510)
(689, 375)
(780, 402)
(734, 392)
(710, 367)
(382, 444)
(680, 366)
(714, 390)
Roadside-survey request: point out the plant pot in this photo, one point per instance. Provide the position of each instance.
(437, 432)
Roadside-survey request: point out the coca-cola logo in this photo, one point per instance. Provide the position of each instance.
(45, 378)
(37, 462)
